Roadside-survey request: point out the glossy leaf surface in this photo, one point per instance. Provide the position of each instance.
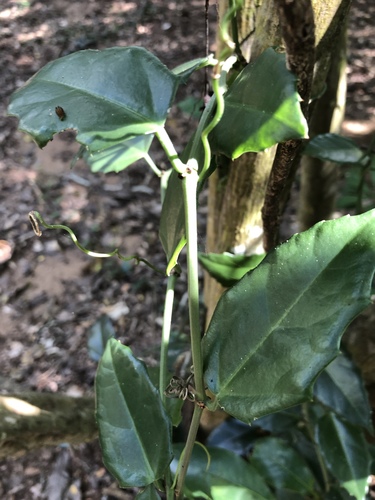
(340, 387)
(333, 147)
(225, 476)
(345, 452)
(107, 96)
(227, 268)
(275, 330)
(281, 466)
(134, 430)
(262, 108)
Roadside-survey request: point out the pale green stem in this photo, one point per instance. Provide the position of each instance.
(152, 165)
(219, 87)
(184, 463)
(166, 332)
(215, 120)
(189, 183)
(170, 151)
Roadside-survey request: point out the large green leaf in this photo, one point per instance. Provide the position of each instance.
(262, 108)
(221, 475)
(340, 387)
(275, 330)
(134, 429)
(281, 466)
(333, 147)
(345, 452)
(108, 96)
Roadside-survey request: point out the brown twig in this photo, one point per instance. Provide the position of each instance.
(298, 31)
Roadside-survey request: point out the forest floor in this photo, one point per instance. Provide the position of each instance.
(52, 297)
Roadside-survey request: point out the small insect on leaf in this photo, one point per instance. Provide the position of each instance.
(35, 224)
(60, 113)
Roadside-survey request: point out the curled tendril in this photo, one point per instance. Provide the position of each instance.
(35, 219)
(180, 388)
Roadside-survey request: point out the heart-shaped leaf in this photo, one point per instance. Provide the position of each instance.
(108, 96)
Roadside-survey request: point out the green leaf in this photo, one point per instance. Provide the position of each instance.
(340, 387)
(281, 466)
(149, 493)
(225, 476)
(337, 494)
(173, 406)
(120, 156)
(227, 268)
(172, 221)
(99, 334)
(273, 332)
(345, 452)
(234, 435)
(333, 147)
(108, 96)
(262, 108)
(134, 429)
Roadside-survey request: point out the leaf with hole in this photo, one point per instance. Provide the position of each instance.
(108, 97)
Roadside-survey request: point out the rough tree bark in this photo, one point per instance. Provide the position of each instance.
(264, 24)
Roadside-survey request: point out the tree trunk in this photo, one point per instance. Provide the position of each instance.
(243, 185)
(319, 179)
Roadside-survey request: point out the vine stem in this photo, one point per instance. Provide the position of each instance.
(35, 218)
(170, 150)
(165, 337)
(188, 450)
(190, 183)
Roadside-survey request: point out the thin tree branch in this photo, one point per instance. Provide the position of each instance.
(298, 30)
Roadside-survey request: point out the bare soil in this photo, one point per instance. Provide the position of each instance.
(50, 293)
